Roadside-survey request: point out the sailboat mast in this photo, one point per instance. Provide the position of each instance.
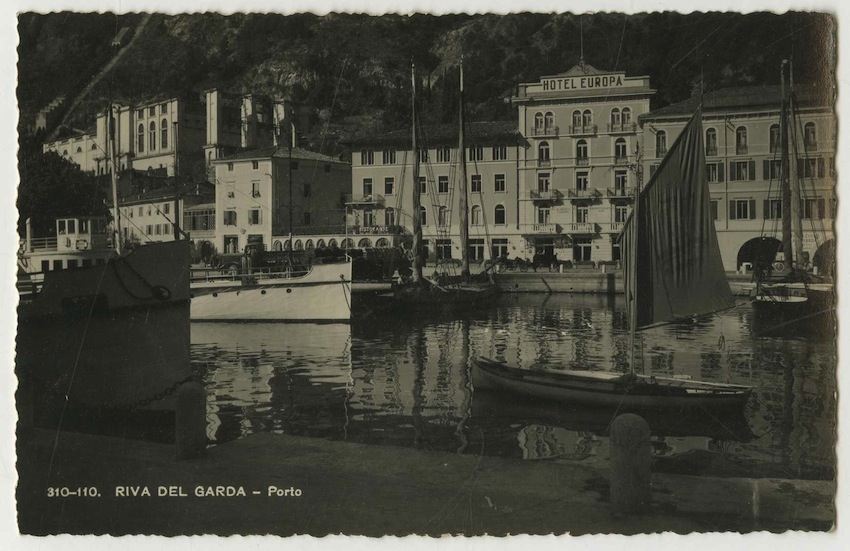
(793, 172)
(110, 146)
(785, 187)
(417, 215)
(632, 273)
(463, 207)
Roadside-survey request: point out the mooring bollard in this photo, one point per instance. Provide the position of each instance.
(630, 464)
(190, 430)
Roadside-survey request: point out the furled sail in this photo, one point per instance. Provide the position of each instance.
(672, 262)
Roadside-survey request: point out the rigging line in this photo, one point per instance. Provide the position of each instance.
(328, 121)
(810, 180)
(622, 36)
(701, 42)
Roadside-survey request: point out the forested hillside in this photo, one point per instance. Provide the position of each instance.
(357, 67)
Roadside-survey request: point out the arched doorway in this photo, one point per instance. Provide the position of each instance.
(760, 254)
(824, 259)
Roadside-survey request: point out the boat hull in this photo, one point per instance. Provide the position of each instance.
(114, 336)
(321, 295)
(605, 389)
(794, 308)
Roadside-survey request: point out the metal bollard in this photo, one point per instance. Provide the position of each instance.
(630, 464)
(190, 430)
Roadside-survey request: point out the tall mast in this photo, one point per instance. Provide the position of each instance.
(796, 200)
(291, 140)
(785, 187)
(632, 273)
(417, 215)
(464, 214)
(110, 147)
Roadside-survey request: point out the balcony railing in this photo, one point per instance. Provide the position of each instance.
(660, 152)
(613, 227)
(583, 130)
(624, 127)
(741, 150)
(545, 195)
(710, 151)
(543, 228)
(621, 160)
(620, 192)
(584, 193)
(545, 131)
(544, 162)
(582, 228)
(364, 200)
(582, 161)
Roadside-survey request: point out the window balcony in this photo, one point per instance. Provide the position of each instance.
(581, 228)
(622, 127)
(710, 151)
(741, 150)
(621, 160)
(545, 131)
(620, 193)
(544, 162)
(364, 200)
(613, 227)
(582, 161)
(542, 228)
(584, 194)
(583, 130)
(545, 195)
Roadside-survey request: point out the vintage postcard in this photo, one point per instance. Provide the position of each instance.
(533, 271)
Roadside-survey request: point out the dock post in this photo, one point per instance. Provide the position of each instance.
(630, 464)
(190, 430)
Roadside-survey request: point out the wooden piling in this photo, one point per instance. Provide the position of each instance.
(630, 464)
(190, 431)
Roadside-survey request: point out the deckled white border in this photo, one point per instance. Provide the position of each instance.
(9, 538)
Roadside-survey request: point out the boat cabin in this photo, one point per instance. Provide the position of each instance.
(81, 234)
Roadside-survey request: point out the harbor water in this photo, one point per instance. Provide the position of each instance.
(404, 380)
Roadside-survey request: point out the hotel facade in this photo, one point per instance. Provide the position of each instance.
(562, 180)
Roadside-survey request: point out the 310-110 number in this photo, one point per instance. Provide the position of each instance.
(65, 491)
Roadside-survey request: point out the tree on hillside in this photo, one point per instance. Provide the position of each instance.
(52, 187)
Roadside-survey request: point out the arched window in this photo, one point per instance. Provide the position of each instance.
(382, 243)
(627, 115)
(576, 119)
(299, 246)
(549, 121)
(660, 143)
(348, 243)
(287, 245)
(616, 120)
(741, 140)
(586, 119)
(141, 139)
(543, 151)
(320, 244)
(711, 141)
(389, 217)
(538, 122)
(475, 215)
(423, 216)
(65, 152)
(365, 243)
(79, 150)
(620, 153)
(581, 152)
(277, 245)
(332, 243)
(163, 140)
(152, 136)
(309, 245)
(499, 215)
(810, 136)
(443, 216)
(93, 146)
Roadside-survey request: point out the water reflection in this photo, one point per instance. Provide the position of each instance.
(402, 381)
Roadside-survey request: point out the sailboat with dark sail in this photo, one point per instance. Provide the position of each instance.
(423, 292)
(793, 299)
(673, 271)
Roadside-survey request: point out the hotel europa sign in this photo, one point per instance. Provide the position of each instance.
(582, 82)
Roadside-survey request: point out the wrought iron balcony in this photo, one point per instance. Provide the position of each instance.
(620, 193)
(364, 200)
(582, 161)
(741, 150)
(544, 162)
(550, 130)
(710, 151)
(622, 127)
(545, 195)
(584, 194)
(621, 160)
(613, 227)
(583, 130)
(543, 228)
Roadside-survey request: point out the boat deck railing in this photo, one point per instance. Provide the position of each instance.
(210, 275)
